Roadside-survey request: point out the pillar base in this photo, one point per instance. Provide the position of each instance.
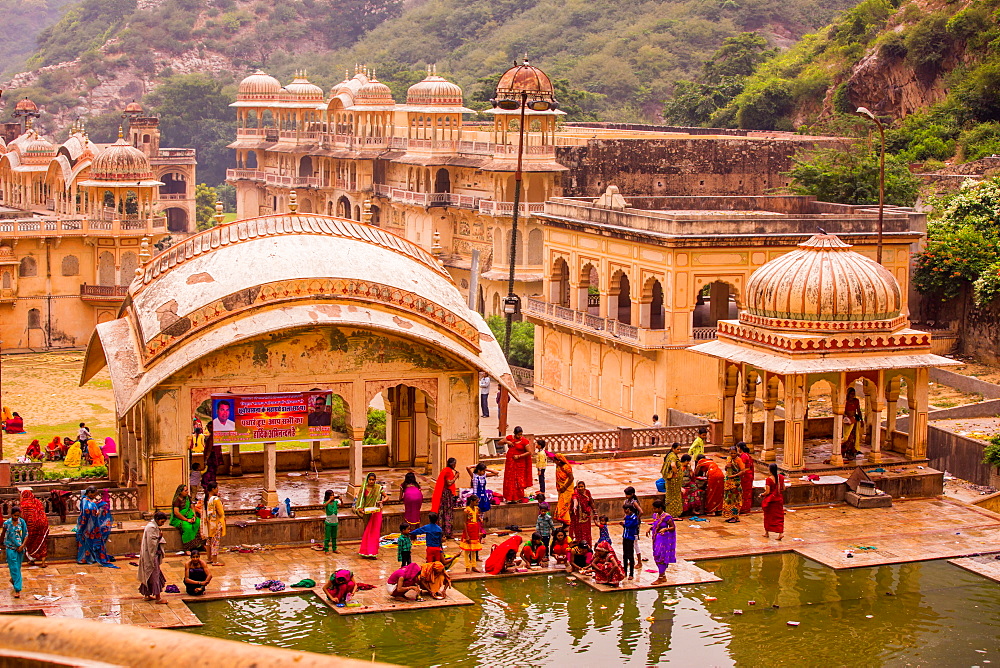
(836, 460)
(269, 498)
(768, 456)
(352, 491)
(875, 458)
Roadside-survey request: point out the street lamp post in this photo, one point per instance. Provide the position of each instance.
(864, 111)
(522, 87)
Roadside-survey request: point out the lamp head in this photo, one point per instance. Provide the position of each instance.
(864, 111)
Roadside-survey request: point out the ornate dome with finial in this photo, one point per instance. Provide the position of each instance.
(25, 105)
(434, 91)
(302, 89)
(37, 150)
(121, 162)
(525, 78)
(374, 93)
(823, 285)
(258, 85)
(7, 255)
(133, 107)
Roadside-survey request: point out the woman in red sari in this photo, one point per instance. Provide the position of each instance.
(517, 471)
(445, 494)
(34, 450)
(36, 547)
(581, 514)
(747, 477)
(774, 503)
(707, 468)
(53, 451)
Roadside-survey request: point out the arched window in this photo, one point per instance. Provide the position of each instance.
(34, 319)
(106, 269)
(519, 253)
(130, 262)
(6, 282)
(70, 265)
(535, 247)
(28, 267)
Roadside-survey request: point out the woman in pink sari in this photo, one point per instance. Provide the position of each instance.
(412, 498)
(369, 505)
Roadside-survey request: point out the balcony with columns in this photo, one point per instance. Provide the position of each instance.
(585, 322)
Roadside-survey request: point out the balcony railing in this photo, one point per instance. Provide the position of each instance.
(341, 140)
(492, 208)
(35, 227)
(273, 179)
(703, 333)
(608, 328)
(113, 293)
(427, 199)
(172, 197)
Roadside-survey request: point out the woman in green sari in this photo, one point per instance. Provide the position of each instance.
(185, 518)
(673, 477)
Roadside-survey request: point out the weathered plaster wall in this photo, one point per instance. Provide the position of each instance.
(357, 364)
(679, 165)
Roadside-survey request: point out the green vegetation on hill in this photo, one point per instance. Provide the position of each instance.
(23, 20)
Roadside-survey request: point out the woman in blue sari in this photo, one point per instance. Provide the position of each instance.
(93, 528)
(13, 537)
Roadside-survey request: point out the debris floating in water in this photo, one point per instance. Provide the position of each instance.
(500, 634)
(650, 619)
(792, 623)
(737, 612)
(672, 601)
(709, 599)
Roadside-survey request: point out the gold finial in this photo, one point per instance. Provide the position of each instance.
(29, 124)
(347, 74)
(293, 202)
(436, 248)
(121, 132)
(366, 212)
(218, 212)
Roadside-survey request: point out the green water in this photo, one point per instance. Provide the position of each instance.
(921, 614)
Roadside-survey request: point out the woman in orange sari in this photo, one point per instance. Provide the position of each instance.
(53, 451)
(708, 469)
(95, 453)
(445, 493)
(564, 486)
(517, 470)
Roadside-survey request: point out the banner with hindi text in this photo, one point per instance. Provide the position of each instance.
(271, 418)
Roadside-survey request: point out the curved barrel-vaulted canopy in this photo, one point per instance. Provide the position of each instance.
(277, 273)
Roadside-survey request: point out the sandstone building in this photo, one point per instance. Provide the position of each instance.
(71, 219)
(447, 184)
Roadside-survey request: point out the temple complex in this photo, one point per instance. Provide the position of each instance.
(447, 184)
(294, 302)
(71, 219)
(632, 283)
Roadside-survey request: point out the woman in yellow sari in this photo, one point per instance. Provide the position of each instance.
(74, 455)
(673, 478)
(564, 486)
(95, 453)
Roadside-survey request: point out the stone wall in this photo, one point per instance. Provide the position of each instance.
(958, 455)
(681, 165)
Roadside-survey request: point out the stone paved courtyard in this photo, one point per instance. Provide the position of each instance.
(911, 530)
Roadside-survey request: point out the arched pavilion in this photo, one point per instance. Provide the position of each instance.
(294, 302)
(824, 313)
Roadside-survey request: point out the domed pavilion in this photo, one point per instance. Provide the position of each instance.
(294, 303)
(824, 314)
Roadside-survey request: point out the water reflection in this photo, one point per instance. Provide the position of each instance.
(927, 613)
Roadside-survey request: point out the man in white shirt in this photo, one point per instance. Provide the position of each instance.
(222, 421)
(484, 393)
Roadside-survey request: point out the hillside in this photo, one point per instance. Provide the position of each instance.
(23, 21)
(929, 68)
(617, 59)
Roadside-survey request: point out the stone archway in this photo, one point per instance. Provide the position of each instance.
(177, 219)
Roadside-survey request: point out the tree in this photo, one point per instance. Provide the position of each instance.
(194, 111)
(522, 340)
(963, 246)
(204, 206)
(346, 21)
(723, 78)
(851, 177)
